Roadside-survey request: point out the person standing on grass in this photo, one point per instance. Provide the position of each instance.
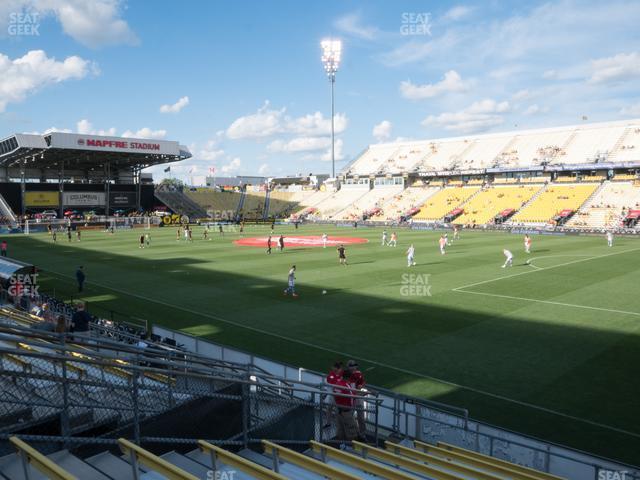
(342, 257)
(384, 238)
(141, 241)
(610, 239)
(3, 248)
(527, 243)
(147, 239)
(54, 236)
(411, 256)
(325, 237)
(281, 243)
(443, 243)
(220, 230)
(205, 234)
(291, 282)
(509, 258)
(394, 240)
(78, 235)
(80, 277)
(69, 233)
(269, 245)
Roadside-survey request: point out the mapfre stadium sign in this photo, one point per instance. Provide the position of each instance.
(113, 144)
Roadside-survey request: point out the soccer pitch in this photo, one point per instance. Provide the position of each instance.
(550, 348)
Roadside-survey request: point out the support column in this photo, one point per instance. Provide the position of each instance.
(61, 189)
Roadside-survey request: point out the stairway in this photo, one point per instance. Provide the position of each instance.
(6, 212)
(243, 197)
(531, 200)
(267, 202)
(179, 203)
(616, 147)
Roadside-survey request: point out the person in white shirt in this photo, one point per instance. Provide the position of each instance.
(384, 238)
(325, 237)
(509, 260)
(410, 256)
(527, 244)
(610, 239)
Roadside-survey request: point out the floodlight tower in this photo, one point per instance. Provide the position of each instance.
(331, 54)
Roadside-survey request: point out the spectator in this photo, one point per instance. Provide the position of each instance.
(347, 426)
(80, 321)
(80, 277)
(3, 248)
(358, 383)
(61, 324)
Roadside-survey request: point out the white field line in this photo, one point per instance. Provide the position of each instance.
(370, 361)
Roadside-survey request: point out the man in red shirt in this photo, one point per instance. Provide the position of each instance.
(358, 385)
(347, 427)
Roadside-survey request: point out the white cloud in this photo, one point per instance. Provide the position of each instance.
(631, 110)
(521, 95)
(478, 117)
(95, 23)
(417, 50)
(339, 155)
(457, 13)
(146, 132)
(85, 127)
(299, 144)
(264, 123)
(450, 83)
(25, 75)
(535, 109)
(351, 24)
(382, 131)
(268, 122)
(232, 167)
(315, 124)
(176, 107)
(263, 169)
(550, 74)
(620, 67)
(210, 152)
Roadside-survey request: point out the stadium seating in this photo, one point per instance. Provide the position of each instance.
(336, 202)
(396, 462)
(491, 201)
(404, 201)
(628, 146)
(180, 203)
(608, 207)
(437, 206)
(253, 206)
(553, 200)
(375, 198)
(213, 201)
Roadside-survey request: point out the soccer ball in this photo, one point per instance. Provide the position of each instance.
(528, 262)
(324, 292)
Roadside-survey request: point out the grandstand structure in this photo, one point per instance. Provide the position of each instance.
(580, 177)
(59, 171)
(111, 406)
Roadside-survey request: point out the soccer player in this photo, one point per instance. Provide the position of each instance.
(141, 241)
(509, 258)
(54, 236)
(410, 256)
(178, 234)
(190, 235)
(220, 230)
(205, 234)
(281, 243)
(394, 239)
(80, 277)
(69, 234)
(291, 282)
(456, 232)
(147, 239)
(269, 245)
(527, 243)
(342, 257)
(443, 243)
(78, 234)
(610, 239)
(325, 237)
(384, 238)
(446, 239)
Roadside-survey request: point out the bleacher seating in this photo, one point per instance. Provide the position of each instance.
(253, 207)
(375, 198)
(608, 207)
(404, 201)
(215, 202)
(491, 201)
(437, 206)
(553, 200)
(276, 462)
(337, 201)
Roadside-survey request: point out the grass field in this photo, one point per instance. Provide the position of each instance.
(551, 349)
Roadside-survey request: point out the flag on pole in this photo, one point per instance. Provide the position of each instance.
(168, 169)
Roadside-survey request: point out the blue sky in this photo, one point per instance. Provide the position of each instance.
(242, 84)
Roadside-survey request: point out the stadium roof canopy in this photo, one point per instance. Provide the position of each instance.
(86, 152)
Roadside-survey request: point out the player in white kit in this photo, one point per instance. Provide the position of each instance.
(443, 243)
(610, 239)
(411, 256)
(384, 238)
(325, 237)
(509, 260)
(527, 243)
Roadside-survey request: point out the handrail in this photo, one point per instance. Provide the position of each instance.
(448, 463)
(153, 462)
(490, 459)
(406, 463)
(40, 462)
(258, 471)
(377, 469)
(306, 462)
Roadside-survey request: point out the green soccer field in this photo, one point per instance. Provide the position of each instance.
(550, 348)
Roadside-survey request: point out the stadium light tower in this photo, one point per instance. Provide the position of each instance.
(331, 54)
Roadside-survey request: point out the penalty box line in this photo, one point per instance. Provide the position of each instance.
(366, 360)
